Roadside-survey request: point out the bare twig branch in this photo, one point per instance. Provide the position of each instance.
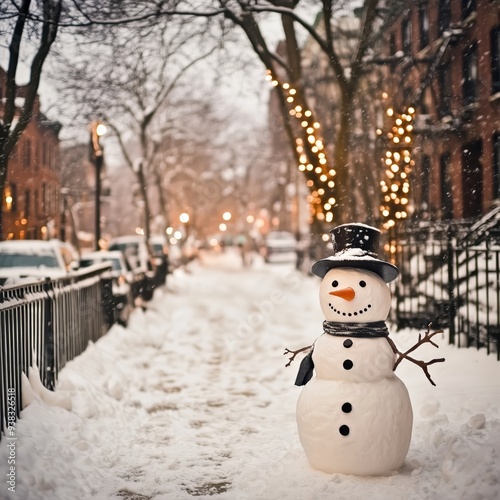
(294, 353)
(427, 338)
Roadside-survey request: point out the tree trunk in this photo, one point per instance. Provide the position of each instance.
(147, 212)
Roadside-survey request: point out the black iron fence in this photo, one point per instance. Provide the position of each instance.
(48, 323)
(450, 276)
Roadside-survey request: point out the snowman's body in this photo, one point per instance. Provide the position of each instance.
(355, 415)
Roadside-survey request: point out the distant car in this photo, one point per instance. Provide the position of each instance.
(280, 246)
(122, 277)
(22, 259)
(137, 254)
(135, 250)
(159, 249)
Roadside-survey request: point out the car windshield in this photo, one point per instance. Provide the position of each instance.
(47, 259)
(126, 248)
(115, 263)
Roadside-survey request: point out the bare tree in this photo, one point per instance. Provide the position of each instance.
(19, 27)
(135, 91)
(28, 32)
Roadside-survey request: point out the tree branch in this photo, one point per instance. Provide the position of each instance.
(427, 338)
(294, 353)
(370, 14)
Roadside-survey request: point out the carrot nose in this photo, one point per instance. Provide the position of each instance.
(344, 293)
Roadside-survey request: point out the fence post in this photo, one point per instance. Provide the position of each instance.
(451, 282)
(107, 301)
(48, 336)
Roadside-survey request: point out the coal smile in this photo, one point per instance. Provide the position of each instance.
(355, 313)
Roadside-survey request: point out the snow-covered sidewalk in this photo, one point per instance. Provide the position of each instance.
(193, 400)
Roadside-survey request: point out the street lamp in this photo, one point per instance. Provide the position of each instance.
(97, 130)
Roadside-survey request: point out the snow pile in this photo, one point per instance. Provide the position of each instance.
(193, 400)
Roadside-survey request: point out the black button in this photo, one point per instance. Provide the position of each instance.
(348, 364)
(347, 407)
(347, 343)
(344, 430)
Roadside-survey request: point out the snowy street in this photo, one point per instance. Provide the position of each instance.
(193, 399)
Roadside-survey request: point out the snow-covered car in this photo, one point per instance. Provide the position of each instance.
(24, 259)
(160, 252)
(136, 252)
(122, 280)
(280, 246)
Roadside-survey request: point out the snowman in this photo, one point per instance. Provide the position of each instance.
(355, 415)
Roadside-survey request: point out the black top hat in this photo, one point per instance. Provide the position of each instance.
(356, 245)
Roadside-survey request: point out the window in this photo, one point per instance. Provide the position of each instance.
(469, 59)
(44, 198)
(35, 203)
(27, 199)
(44, 153)
(495, 60)
(423, 26)
(37, 154)
(444, 82)
(446, 194)
(406, 36)
(27, 153)
(468, 7)
(472, 180)
(426, 182)
(444, 16)
(496, 165)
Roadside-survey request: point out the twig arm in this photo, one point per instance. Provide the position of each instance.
(427, 338)
(294, 353)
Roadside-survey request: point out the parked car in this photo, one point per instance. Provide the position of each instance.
(122, 280)
(280, 246)
(21, 259)
(136, 252)
(160, 252)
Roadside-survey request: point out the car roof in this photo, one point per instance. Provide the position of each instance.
(128, 239)
(158, 239)
(30, 244)
(103, 254)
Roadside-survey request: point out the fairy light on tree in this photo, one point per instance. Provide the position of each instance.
(310, 153)
(398, 164)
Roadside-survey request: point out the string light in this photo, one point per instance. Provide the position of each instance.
(397, 158)
(310, 152)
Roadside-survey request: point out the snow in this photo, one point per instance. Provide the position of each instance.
(193, 400)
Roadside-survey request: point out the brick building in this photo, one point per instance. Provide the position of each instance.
(31, 204)
(445, 62)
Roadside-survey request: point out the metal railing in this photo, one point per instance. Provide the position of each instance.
(48, 323)
(449, 279)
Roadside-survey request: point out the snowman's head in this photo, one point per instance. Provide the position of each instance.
(354, 296)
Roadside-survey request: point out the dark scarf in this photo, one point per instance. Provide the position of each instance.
(359, 330)
(356, 330)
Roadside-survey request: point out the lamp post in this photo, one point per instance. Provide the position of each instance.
(97, 130)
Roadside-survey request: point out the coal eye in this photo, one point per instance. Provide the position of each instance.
(362, 284)
(335, 283)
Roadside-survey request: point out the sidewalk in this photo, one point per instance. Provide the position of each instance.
(193, 400)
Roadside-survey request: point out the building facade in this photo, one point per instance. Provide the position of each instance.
(31, 204)
(445, 63)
